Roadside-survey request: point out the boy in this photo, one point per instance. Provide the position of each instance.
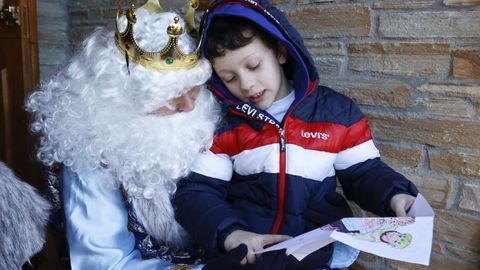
(284, 140)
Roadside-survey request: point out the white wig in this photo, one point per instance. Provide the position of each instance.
(95, 116)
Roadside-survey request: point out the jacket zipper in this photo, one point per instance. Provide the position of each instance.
(281, 181)
(283, 166)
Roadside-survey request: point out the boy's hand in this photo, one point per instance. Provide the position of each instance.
(253, 241)
(401, 203)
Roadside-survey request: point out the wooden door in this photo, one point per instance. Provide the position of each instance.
(19, 71)
(19, 76)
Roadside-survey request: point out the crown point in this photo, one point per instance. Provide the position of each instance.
(194, 3)
(175, 29)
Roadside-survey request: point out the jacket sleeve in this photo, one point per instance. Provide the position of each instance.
(96, 226)
(372, 184)
(200, 201)
(366, 179)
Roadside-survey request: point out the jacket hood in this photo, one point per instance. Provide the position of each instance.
(274, 22)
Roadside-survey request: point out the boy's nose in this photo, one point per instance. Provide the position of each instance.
(247, 82)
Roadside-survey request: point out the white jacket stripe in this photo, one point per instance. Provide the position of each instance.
(212, 165)
(356, 154)
(261, 159)
(310, 164)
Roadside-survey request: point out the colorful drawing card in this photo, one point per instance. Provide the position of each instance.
(407, 239)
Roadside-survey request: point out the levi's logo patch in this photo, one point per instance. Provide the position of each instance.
(315, 135)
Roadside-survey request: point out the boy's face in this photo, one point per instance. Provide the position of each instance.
(253, 73)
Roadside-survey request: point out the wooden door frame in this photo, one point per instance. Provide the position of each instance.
(20, 75)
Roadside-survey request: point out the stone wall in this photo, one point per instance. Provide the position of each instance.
(53, 44)
(414, 68)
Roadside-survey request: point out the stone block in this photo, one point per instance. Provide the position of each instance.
(451, 90)
(303, 2)
(385, 93)
(464, 254)
(466, 64)
(470, 197)
(325, 48)
(52, 25)
(455, 107)
(109, 13)
(96, 14)
(48, 70)
(439, 192)
(403, 59)
(461, 2)
(52, 55)
(437, 262)
(394, 4)
(328, 57)
(79, 15)
(92, 4)
(437, 248)
(430, 24)
(328, 64)
(121, 2)
(457, 228)
(79, 33)
(434, 132)
(48, 38)
(457, 163)
(397, 156)
(51, 10)
(276, 2)
(337, 21)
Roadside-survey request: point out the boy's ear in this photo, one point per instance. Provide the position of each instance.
(282, 54)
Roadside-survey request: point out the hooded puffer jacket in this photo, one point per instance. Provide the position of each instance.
(266, 176)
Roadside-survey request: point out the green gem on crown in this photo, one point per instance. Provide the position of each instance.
(169, 61)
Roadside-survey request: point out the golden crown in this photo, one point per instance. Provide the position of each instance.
(168, 58)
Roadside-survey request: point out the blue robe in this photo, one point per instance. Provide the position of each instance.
(99, 232)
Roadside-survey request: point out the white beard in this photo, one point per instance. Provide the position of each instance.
(146, 154)
(94, 116)
(153, 154)
(149, 154)
(158, 218)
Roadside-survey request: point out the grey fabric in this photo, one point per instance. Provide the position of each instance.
(23, 216)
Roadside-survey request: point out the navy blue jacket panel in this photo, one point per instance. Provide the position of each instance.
(266, 176)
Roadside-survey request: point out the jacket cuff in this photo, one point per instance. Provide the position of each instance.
(410, 189)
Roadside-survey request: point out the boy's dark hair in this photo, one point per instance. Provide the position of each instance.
(228, 33)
